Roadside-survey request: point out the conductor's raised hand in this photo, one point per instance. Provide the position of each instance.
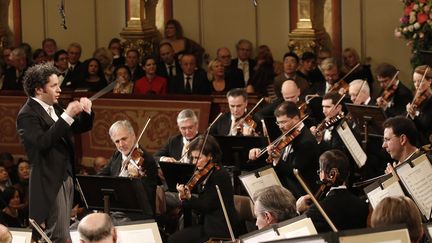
(86, 104)
(74, 108)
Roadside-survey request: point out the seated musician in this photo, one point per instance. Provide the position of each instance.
(272, 205)
(175, 150)
(228, 124)
(399, 140)
(123, 136)
(331, 72)
(394, 96)
(420, 109)
(204, 154)
(345, 210)
(359, 92)
(298, 150)
(397, 211)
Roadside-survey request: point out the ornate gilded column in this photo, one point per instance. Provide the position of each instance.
(302, 38)
(140, 32)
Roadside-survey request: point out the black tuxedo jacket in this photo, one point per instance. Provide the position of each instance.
(50, 150)
(149, 180)
(303, 156)
(200, 84)
(173, 148)
(424, 120)
(252, 64)
(344, 209)
(401, 98)
(137, 74)
(163, 71)
(74, 77)
(11, 81)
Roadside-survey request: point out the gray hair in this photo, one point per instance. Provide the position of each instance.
(187, 114)
(329, 63)
(121, 124)
(276, 200)
(360, 83)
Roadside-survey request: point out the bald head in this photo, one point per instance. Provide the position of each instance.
(5, 234)
(99, 163)
(359, 91)
(97, 228)
(290, 91)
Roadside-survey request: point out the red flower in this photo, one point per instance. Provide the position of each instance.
(422, 17)
(408, 9)
(422, 1)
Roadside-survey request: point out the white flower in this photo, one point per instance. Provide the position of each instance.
(417, 25)
(405, 29)
(412, 18)
(415, 7)
(397, 33)
(411, 28)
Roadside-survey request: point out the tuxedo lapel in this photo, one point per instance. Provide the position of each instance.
(39, 110)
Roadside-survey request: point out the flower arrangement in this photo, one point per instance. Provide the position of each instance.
(416, 27)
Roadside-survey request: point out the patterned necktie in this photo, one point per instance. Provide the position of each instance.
(51, 113)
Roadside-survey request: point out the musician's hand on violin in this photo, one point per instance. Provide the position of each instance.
(342, 91)
(303, 203)
(183, 192)
(253, 153)
(317, 135)
(167, 159)
(411, 110)
(248, 131)
(274, 154)
(381, 102)
(390, 168)
(86, 104)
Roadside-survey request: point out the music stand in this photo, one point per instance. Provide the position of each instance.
(176, 173)
(115, 193)
(235, 151)
(370, 117)
(272, 129)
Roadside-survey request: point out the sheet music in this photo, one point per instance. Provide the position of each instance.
(391, 188)
(429, 227)
(391, 236)
(352, 144)
(144, 236)
(417, 180)
(252, 183)
(303, 227)
(19, 239)
(262, 237)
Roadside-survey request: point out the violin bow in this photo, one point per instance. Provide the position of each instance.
(248, 114)
(350, 71)
(103, 91)
(314, 200)
(128, 158)
(225, 214)
(358, 92)
(392, 81)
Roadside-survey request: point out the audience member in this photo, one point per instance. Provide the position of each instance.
(350, 59)
(49, 45)
(14, 75)
(116, 50)
(124, 84)
(105, 59)
(132, 62)
(223, 54)
(93, 78)
(219, 82)
(39, 56)
(290, 65)
(168, 66)
(13, 215)
(244, 60)
(150, 83)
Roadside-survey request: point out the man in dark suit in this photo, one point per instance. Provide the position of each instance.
(223, 54)
(399, 95)
(244, 61)
(123, 136)
(13, 78)
(290, 65)
(345, 210)
(168, 66)
(46, 132)
(300, 153)
(133, 63)
(175, 150)
(226, 124)
(192, 81)
(331, 72)
(75, 66)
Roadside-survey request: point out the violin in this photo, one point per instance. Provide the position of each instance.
(328, 123)
(302, 108)
(287, 139)
(200, 175)
(326, 184)
(246, 120)
(341, 84)
(137, 156)
(420, 97)
(389, 91)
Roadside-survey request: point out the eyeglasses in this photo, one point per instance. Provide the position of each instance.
(281, 122)
(319, 171)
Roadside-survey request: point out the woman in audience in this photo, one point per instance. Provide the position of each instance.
(23, 181)
(399, 210)
(350, 59)
(219, 82)
(12, 215)
(116, 49)
(122, 78)
(93, 78)
(181, 44)
(39, 56)
(150, 83)
(105, 59)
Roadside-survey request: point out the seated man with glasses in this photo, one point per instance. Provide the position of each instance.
(399, 140)
(345, 210)
(298, 150)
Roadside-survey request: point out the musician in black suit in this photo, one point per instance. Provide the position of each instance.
(46, 132)
(345, 210)
(331, 72)
(399, 96)
(192, 81)
(244, 62)
(205, 155)
(168, 66)
(301, 152)
(177, 146)
(226, 124)
(123, 136)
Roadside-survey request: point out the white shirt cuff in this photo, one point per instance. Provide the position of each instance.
(67, 118)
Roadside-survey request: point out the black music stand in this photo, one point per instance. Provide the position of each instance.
(235, 151)
(370, 118)
(115, 193)
(176, 173)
